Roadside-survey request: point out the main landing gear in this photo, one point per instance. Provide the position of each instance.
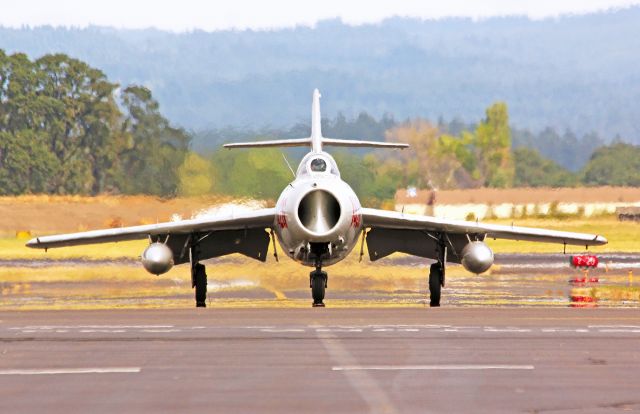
(198, 279)
(200, 284)
(435, 283)
(436, 273)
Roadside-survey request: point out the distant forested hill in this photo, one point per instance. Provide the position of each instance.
(577, 72)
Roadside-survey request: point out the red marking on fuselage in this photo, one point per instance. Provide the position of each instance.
(282, 220)
(356, 219)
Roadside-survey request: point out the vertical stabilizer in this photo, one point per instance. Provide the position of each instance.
(316, 129)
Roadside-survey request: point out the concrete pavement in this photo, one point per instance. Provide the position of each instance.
(321, 360)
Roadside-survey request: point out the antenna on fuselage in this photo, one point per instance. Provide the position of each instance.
(316, 141)
(286, 161)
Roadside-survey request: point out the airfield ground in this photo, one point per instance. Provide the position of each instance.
(540, 360)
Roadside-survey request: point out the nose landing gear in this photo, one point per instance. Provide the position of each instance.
(318, 284)
(318, 278)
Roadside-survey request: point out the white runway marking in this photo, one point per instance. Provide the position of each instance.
(338, 330)
(161, 330)
(43, 330)
(51, 327)
(282, 330)
(57, 371)
(508, 329)
(619, 330)
(428, 367)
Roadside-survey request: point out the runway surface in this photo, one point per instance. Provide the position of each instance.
(546, 360)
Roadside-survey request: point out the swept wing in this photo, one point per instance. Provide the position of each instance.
(392, 231)
(259, 219)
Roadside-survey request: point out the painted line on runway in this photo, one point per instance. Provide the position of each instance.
(50, 327)
(58, 371)
(429, 367)
(282, 330)
(619, 330)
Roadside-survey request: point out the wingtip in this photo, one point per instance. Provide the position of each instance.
(33, 243)
(601, 240)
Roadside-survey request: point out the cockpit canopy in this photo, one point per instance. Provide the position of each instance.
(318, 164)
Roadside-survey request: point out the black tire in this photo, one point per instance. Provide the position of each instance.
(435, 284)
(201, 286)
(318, 285)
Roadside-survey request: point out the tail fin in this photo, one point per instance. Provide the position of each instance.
(316, 140)
(316, 123)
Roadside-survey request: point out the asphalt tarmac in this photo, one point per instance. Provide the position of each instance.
(546, 360)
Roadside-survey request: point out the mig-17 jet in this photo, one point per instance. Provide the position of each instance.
(317, 221)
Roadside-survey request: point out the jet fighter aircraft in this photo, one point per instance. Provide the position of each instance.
(317, 221)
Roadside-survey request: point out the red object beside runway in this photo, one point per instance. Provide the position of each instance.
(584, 260)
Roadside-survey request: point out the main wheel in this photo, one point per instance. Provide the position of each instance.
(201, 286)
(435, 284)
(318, 285)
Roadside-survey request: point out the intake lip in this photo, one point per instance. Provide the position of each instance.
(319, 211)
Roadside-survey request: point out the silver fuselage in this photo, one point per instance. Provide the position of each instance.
(318, 208)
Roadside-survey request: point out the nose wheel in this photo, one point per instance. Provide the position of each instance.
(318, 282)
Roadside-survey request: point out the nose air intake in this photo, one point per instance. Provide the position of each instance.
(319, 211)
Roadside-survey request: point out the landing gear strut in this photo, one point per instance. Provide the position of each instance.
(198, 279)
(436, 273)
(318, 283)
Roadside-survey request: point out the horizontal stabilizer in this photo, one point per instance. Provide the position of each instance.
(297, 142)
(336, 142)
(303, 142)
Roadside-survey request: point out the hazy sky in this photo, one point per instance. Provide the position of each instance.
(181, 15)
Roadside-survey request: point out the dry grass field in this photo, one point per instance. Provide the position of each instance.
(494, 196)
(43, 214)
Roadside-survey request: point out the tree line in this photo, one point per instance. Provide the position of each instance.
(66, 129)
